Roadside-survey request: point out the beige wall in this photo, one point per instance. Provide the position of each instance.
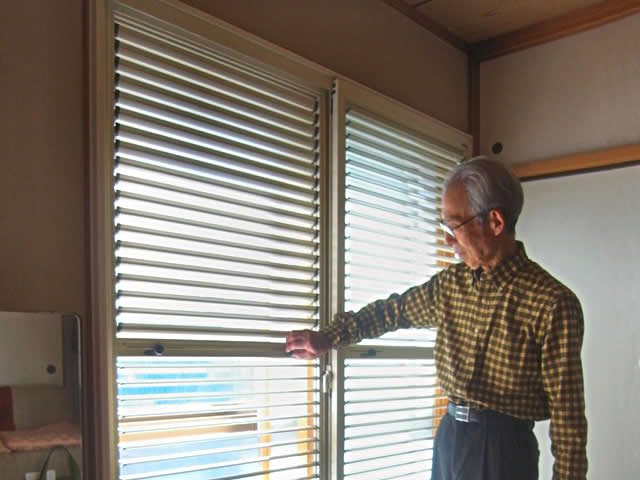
(43, 186)
(572, 95)
(364, 40)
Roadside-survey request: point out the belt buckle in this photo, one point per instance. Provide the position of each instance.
(462, 413)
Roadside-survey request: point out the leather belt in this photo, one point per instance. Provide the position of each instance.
(462, 413)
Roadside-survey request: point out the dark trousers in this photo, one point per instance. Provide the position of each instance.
(497, 447)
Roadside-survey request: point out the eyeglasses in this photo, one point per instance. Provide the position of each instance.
(450, 230)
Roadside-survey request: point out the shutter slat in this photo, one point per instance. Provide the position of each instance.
(143, 83)
(197, 59)
(219, 138)
(140, 135)
(162, 68)
(196, 453)
(244, 184)
(160, 317)
(444, 155)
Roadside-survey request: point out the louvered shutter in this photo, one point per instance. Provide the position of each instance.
(391, 400)
(217, 240)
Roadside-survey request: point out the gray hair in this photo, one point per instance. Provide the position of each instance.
(489, 185)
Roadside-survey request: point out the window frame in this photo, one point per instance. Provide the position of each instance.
(347, 93)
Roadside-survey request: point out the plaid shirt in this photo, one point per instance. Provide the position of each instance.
(508, 340)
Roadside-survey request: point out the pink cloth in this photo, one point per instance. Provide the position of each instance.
(42, 437)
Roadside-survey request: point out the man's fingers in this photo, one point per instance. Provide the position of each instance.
(302, 354)
(296, 340)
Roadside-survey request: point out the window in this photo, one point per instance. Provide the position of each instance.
(217, 245)
(389, 402)
(225, 237)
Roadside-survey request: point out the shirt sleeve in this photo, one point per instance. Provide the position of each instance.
(563, 382)
(414, 308)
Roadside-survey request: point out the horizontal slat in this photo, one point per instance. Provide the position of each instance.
(370, 436)
(211, 188)
(370, 163)
(234, 159)
(242, 181)
(390, 443)
(132, 177)
(358, 175)
(210, 300)
(217, 140)
(127, 330)
(222, 261)
(139, 114)
(216, 218)
(163, 68)
(227, 477)
(356, 218)
(148, 84)
(192, 396)
(405, 161)
(204, 239)
(150, 426)
(227, 464)
(127, 265)
(137, 95)
(379, 458)
(448, 157)
(368, 204)
(168, 318)
(198, 59)
(211, 451)
(199, 438)
(404, 464)
(132, 411)
(407, 203)
(393, 162)
(223, 288)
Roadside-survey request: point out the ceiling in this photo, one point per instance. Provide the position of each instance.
(473, 21)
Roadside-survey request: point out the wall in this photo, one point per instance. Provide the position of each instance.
(584, 229)
(43, 185)
(364, 40)
(576, 94)
(572, 95)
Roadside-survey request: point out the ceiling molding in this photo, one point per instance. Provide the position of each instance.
(562, 26)
(435, 28)
(578, 163)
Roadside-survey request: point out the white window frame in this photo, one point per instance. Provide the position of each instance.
(101, 435)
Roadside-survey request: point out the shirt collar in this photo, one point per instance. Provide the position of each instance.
(502, 273)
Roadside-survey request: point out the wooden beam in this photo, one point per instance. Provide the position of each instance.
(435, 28)
(614, 157)
(577, 21)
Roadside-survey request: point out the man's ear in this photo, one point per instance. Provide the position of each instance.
(496, 221)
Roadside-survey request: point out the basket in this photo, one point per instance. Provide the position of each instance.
(73, 465)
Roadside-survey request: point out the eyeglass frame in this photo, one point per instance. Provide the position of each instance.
(451, 230)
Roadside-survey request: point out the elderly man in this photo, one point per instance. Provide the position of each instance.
(508, 342)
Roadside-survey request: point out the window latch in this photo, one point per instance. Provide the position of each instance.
(327, 380)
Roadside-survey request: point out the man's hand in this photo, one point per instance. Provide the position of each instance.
(306, 344)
